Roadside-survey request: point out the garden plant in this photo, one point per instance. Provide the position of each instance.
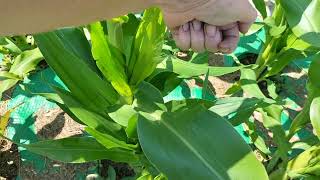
(117, 73)
(21, 56)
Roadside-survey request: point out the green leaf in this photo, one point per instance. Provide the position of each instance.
(121, 114)
(182, 151)
(147, 47)
(240, 109)
(6, 85)
(79, 150)
(84, 83)
(148, 99)
(313, 92)
(26, 62)
(91, 119)
(314, 73)
(76, 42)
(110, 142)
(248, 81)
(261, 6)
(303, 17)
(10, 45)
(282, 59)
(315, 115)
(279, 135)
(110, 61)
(188, 69)
(7, 75)
(111, 173)
(306, 163)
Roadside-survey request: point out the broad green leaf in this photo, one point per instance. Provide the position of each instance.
(298, 44)
(23, 64)
(187, 69)
(131, 130)
(200, 58)
(79, 150)
(313, 92)
(148, 99)
(279, 135)
(190, 146)
(110, 63)
(110, 142)
(121, 33)
(26, 62)
(147, 47)
(76, 42)
(121, 114)
(256, 139)
(303, 17)
(91, 119)
(248, 82)
(7, 75)
(81, 80)
(250, 87)
(240, 109)
(315, 115)
(111, 173)
(6, 85)
(8, 44)
(173, 106)
(314, 73)
(306, 163)
(261, 6)
(164, 80)
(255, 27)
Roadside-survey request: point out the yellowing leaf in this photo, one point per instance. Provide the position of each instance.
(4, 120)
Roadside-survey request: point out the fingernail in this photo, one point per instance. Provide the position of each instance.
(211, 31)
(186, 27)
(196, 25)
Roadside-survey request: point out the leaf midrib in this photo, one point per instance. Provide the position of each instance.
(192, 149)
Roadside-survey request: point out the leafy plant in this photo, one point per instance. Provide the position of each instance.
(109, 90)
(117, 79)
(21, 56)
(292, 34)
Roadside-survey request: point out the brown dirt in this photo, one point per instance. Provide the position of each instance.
(9, 155)
(223, 83)
(55, 124)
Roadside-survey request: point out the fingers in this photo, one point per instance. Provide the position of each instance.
(182, 37)
(245, 24)
(230, 38)
(201, 37)
(197, 36)
(244, 27)
(213, 37)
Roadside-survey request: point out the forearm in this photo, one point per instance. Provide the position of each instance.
(32, 16)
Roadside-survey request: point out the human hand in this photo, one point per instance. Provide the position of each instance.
(200, 36)
(224, 17)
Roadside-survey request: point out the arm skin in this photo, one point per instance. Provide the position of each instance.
(32, 16)
(218, 21)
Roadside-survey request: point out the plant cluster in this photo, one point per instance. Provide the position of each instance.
(118, 71)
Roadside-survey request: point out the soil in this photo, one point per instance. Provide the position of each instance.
(223, 83)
